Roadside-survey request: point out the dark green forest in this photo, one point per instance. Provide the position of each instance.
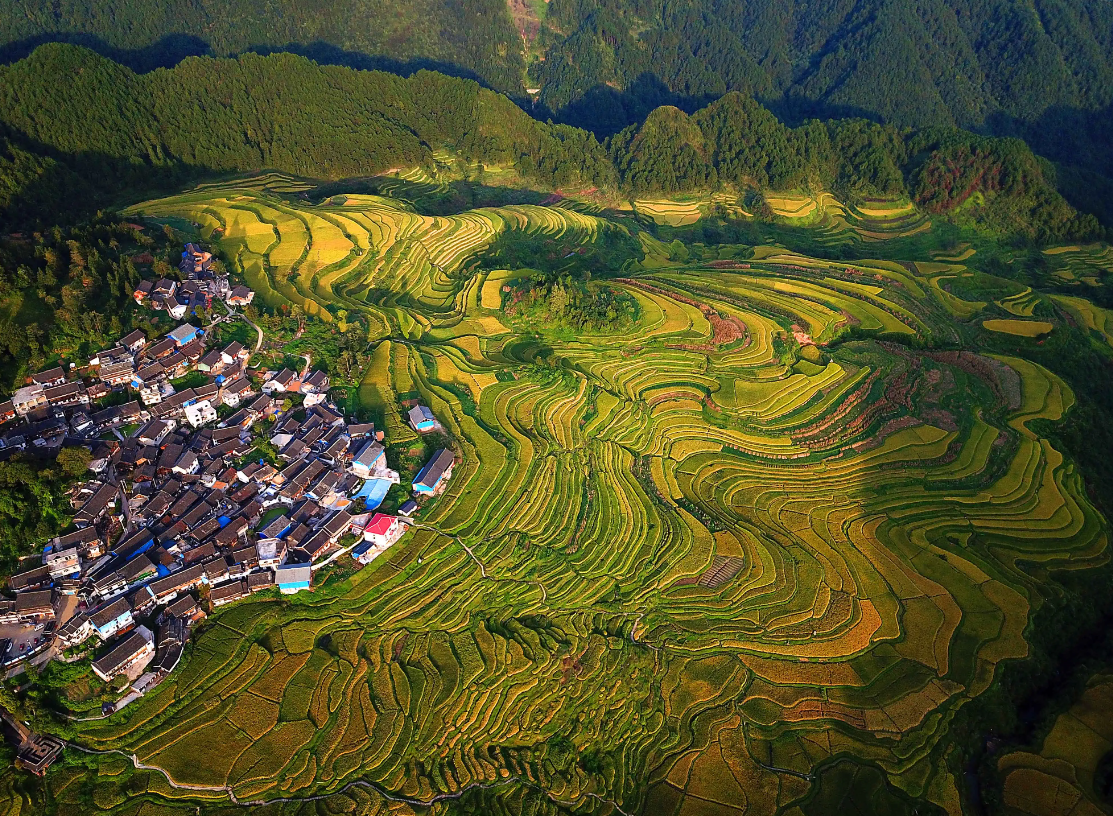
(1040, 70)
(109, 133)
(120, 131)
(474, 38)
(67, 292)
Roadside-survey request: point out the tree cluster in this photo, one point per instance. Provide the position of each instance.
(67, 291)
(570, 303)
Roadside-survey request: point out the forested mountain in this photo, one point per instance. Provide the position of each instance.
(965, 62)
(1040, 69)
(109, 131)
(127, 131)
(736, 143)
(475, 38)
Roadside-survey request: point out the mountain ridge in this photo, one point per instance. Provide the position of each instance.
(121, 131)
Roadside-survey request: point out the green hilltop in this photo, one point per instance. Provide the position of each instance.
(109, 132)
(1041, 70)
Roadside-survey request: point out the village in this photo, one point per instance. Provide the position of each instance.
(183, 516)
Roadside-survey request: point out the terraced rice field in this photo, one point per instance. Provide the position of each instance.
(672, 574)
(1096, 320)
(835, 223)
(1022, 328)
(1092, 264)
(672, 213)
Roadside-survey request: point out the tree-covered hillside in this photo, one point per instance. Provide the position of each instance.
(915, 63)
(109, 133)
(475, 38)
(1039, 69)
(738, 144)
(126, 131)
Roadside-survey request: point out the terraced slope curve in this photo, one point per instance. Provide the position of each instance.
(680, 569)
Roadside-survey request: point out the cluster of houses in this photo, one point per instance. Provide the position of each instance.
(183, 512)
(56, 406)
(199, 287)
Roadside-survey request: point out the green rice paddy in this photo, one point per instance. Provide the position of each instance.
(679, 569)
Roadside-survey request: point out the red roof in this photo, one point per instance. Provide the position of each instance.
(380, 524)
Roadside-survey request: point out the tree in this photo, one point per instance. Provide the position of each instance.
(74, 461)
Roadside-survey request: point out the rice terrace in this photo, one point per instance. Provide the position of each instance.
(755, 531)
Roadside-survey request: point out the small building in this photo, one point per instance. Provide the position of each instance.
(315, 383)
(28, 399)
(35, 606)
(379, 534)
(240, 296)
(112, 618)
(66, 395)
(186, 608)
(226, 593)
(164, 288)
(187, 463)
(421, 419)
(271, 552)
(49, 378)
(200, 413)
(134, 650)
(75, 631)
(369, 460)
(30, 579)
(236, 391)
(62, 562)
(212, 363)
(173, 632)
(258, 581)
(337, 525)
(175, 308)
(163, 348)
(183, 334)
(115, 373)
(291, 578)
(408, 508)
(143, 291)
(234, 351)
(276, 528)
(383, 530)
(195, 261)
(436, 472)
(33, 752)
(134, 341)
(156, 431)
(280, 382)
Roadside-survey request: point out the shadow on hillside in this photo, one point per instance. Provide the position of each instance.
(173, 48)
(451, 199)
(605, 110)
(71, 186)
(1081, 142)
(324, 53)
(166, 53)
